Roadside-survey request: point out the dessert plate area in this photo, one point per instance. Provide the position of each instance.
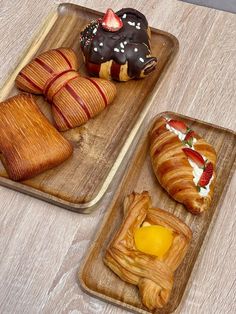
(97, 279)
(100, 144)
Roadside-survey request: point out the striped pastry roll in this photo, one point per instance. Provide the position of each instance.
(184, 163)
(118, 46)
(74, 99)
(147, 249)
(29, 144)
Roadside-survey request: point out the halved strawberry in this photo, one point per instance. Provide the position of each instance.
(189, 138)
(194, 156)
(206, 175)
(178, 125)
(111, 22)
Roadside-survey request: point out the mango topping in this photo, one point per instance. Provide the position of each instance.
(153, 239)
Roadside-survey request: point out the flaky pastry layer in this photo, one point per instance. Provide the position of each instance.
(153, 276)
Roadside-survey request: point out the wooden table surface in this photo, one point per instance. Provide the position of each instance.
(41, 245)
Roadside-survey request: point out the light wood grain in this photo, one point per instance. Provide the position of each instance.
(42, 245)
(100, 144)
(95, 276)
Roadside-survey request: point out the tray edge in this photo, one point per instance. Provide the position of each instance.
(81, 207)
(80, 272)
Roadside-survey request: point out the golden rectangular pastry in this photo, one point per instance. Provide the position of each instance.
(153, 274)
(29, 144)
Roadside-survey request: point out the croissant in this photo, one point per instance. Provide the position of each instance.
(29, 144)
(184, 163)
(74, 99)
(118, 46)
(153, 275)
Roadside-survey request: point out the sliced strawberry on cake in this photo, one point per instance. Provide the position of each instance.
(111, 22)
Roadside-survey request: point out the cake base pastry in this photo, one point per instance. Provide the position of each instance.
(74, 99)
(118, 46)
(29, 144)
(148, 248)
(184, 163)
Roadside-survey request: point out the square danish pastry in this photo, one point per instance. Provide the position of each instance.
(147, 249)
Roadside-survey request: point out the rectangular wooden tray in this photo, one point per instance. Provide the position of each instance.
(100, 144)
(97, 279)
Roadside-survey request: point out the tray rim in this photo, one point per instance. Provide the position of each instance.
(9, 83)
(107, 299)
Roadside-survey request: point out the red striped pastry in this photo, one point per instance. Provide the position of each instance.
(29, 144)
(184, 163)
(74, 99)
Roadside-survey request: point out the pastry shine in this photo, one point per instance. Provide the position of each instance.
(29, 144)
(154, 276)
(173, 169)
(120, 55)
(74, 99)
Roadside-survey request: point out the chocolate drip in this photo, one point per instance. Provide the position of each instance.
(129, 44)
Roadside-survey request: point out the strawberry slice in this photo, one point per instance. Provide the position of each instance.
(206, 175)
(189, 138)
(194, 156)
(111, 22)
(178, 125)
(189, 135)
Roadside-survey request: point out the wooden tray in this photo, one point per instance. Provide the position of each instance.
(98, 280)
(100, 144)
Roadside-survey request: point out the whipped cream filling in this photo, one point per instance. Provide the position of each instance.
(180, 135)
(197, 172)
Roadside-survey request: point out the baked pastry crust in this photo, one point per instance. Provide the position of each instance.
(121, 55)
(29, 144)
(74, 99)
(173, 170)
(153, 276)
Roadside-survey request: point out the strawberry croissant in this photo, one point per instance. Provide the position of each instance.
(184, 164)
(74, 99)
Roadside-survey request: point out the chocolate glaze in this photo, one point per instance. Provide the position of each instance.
(129, 44)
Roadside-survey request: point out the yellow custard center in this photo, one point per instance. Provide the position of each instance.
(153, 239)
